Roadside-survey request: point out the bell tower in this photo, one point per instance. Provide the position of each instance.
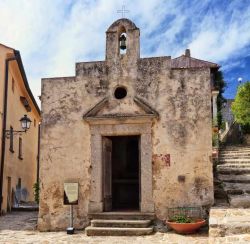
(123, 40)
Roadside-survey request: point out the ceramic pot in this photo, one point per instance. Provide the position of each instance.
(186, 228)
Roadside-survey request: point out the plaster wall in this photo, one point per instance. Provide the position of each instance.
(14, 167)
(3, 55)
(181, 136)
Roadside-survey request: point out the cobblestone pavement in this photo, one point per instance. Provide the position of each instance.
(20, 227)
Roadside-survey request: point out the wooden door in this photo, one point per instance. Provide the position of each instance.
(107, 173)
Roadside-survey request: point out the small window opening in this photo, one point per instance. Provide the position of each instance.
(11, 139)
(20, 151)
(13, 85)
(34, 123)
(120, 93)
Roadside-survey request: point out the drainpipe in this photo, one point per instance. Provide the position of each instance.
(5, 99)
(38, 155)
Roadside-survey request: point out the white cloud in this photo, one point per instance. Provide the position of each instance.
(53, 35)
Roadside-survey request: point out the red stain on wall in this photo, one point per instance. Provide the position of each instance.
(162, 157)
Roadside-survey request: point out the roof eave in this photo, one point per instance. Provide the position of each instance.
(26, 84)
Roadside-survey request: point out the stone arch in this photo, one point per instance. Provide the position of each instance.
(132, 43)
(126, 23)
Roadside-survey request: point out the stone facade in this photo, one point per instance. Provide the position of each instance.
(168, 104)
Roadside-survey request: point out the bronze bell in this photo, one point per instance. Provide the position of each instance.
(122, 40)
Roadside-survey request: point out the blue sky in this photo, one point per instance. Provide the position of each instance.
(53, 35)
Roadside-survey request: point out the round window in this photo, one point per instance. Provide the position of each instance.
(120, 92)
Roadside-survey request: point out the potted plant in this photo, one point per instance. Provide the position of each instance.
(185, 225)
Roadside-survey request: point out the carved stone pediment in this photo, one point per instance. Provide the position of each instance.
(135, 108)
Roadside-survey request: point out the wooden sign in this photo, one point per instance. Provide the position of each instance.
(70, 194)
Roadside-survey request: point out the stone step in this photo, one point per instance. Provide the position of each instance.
(239, 153)
(111, 231)
(122, 215)
(239, 201)
(226, 156)
(235, 161)
(233, 171)
(234, 148)
(245, 178)
(228, 221)
(120, 223)
(234, 180)
(234, 152)
(235, 192)
(231, 165)
(235, 157)
(244, 187)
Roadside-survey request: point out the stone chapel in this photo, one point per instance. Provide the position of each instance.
(134, 133)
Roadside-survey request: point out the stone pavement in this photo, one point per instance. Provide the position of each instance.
(229, 221)
(20, 227)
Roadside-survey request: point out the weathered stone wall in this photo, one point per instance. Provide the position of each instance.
(65, 152)
(181, 136)
(184, 134)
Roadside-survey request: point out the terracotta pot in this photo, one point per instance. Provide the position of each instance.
(215, 129)
(186, 228)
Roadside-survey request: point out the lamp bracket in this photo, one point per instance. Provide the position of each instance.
(15, 132)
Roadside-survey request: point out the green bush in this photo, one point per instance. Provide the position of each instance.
(36, 188)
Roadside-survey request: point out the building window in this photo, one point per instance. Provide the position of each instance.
(13, 85)
(25, 103)
(20, 149)
(11, 139)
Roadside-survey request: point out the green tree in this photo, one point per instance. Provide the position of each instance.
(220, 85)
(241, 105)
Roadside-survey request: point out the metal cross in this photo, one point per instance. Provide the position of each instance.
(123, 11)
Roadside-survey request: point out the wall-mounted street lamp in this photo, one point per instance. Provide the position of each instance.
(25, 124)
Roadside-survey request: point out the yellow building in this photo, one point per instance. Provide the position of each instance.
(19, 153)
